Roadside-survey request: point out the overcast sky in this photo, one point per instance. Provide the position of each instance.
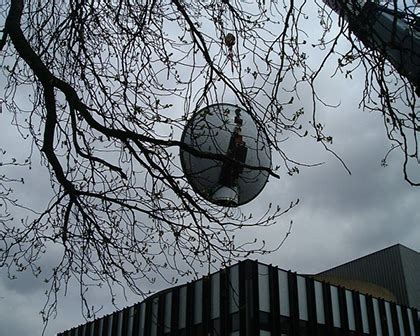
(340, 216)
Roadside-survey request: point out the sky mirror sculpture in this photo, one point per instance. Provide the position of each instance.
(231, 158)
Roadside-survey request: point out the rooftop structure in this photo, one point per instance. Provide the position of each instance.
(395, 269)
(250, 299)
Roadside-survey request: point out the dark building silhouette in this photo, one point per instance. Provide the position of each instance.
(254, 299)
(396, 268)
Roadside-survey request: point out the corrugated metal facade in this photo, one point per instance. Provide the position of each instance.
(253, 299)
(411, 265)
(396, 268)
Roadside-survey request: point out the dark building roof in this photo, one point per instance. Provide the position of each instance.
(254, 299)
(395, 268)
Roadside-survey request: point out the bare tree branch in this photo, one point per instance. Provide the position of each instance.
(112, 85)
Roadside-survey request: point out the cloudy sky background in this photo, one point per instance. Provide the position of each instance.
(340, 216)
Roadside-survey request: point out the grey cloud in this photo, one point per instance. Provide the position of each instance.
(340, 217)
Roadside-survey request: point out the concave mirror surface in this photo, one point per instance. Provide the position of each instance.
(227, 130)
